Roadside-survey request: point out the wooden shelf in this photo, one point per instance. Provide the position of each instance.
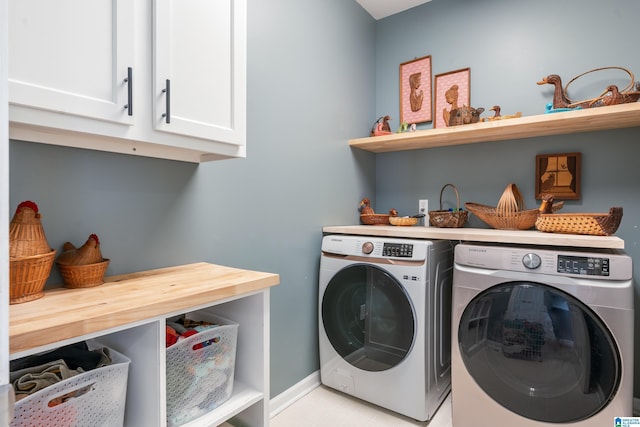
(126, 299)
(531, 237)
(602, 118)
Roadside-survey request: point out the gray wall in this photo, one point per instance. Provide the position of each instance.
(319, 74)
(509, 46)
(310, 89)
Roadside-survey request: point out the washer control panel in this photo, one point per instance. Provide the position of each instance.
(398, 250)
(372, 247)
(583, 265)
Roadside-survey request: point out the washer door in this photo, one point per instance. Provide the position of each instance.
(539, 352)
(368, 317)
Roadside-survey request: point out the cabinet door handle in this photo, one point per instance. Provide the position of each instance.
(167, 92)
(129, 81)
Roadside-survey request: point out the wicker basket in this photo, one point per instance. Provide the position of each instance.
(26, 234)
(510, 213)
(28, 275)
(83, 276)
(449, 219)
(375, 219)
(403, 220)
(597, 224)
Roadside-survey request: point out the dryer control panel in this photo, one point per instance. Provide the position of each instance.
(591, 263)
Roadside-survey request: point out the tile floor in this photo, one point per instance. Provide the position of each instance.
(325, 407)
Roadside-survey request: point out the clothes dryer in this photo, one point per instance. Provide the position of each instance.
(542, 336)
(385, 321)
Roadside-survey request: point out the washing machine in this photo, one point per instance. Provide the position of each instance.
(543, 336)
(385, 321)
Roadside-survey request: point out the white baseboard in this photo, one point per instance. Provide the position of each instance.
(289, 396)
(636, 407)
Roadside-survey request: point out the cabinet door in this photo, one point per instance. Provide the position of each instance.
(200, 69)
(72, 56)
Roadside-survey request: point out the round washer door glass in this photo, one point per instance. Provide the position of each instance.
(368, 317)
(539, 352)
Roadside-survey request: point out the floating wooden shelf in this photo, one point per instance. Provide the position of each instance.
(602, 118)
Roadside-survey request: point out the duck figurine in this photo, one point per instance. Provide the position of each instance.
(611, 96)
(365, 207)
(498, 116)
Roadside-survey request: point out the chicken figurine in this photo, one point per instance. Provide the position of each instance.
(89, 253)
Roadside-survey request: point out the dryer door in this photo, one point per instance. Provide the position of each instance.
(368, 317)
(539, 352)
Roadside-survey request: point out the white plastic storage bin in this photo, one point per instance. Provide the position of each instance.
(100, 401)
(200, 370)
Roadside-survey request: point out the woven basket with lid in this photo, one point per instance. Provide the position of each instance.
(30, 256)
(26, 234)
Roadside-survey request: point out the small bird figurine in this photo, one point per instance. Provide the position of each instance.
(381, 126)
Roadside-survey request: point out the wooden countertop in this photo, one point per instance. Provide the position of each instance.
(67, 313)
(532, 237)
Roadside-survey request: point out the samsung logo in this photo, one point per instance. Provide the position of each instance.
(477, 250)
(336, 240)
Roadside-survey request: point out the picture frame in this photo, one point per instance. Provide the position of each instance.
(415, 91)
(452, 90)
(558, 175)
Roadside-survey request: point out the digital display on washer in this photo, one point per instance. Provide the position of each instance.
(402, 250)
(588, 266)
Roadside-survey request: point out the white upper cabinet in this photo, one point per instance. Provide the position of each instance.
(200, 68)
(156, 78)
(72, 56)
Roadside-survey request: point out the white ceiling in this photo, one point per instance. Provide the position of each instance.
(382, 8)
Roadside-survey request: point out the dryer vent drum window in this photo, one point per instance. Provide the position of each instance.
(539, 352)
(368, 317)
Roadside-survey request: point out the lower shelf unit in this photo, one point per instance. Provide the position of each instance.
(237, 295)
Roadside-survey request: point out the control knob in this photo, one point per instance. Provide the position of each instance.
(531, 261)
(367, 247)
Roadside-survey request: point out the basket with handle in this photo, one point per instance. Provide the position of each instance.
(449, 218)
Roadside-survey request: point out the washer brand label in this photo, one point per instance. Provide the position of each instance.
(626, 421)
(477, 250)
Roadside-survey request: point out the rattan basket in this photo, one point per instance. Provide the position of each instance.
(83, 276)
(597, 224)
(28, 275)
(449, 219)
(375, 219)
(26, 234)
(510, 214)
(403, 220)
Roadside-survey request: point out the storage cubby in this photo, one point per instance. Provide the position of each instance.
(128, 313)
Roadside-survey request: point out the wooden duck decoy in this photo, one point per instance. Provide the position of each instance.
(611, 96)
(560, 99)
(498, 116)
(365, 207)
